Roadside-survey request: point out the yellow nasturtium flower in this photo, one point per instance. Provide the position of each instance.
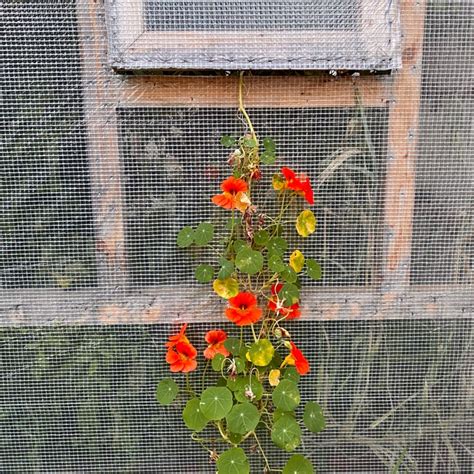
(297, 261)
(305, 223)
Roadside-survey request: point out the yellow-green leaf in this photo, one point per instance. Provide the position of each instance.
(297, 261)
(227, 288)
(306, 223)
(274, 377)
(261, 352)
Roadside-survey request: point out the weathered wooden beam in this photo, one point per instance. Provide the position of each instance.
(320, 90)
(99, 89)
(402, 141)
(173, 304)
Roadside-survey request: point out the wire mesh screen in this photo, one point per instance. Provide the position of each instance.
(173, 157)
(398, 395)
(99, 170)
(236, 34)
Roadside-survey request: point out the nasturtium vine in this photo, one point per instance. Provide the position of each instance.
(249, 384)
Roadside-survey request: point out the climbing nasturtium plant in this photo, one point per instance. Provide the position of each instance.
(253, 393)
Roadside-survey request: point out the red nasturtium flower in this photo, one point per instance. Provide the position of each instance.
(290, 312)
(234, 195)
(216, 340)
(298, 183)
(296, 358)
(182, 357)
(243, 309)
(180, 337)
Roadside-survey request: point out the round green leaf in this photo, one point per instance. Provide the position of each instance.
(289, 293)
(261, 237)
(217, 362)
(277, 414)
(249, 261)
(243, 417)
(275, 263)
(249, 142)
(233, 345)
(286, 395)
(248, 388)
(268, 157)
(228, 141)
(216, 402)
(298, 464)
(193, 417)
(261, 352)
(313, 269)
(269, 144)
(226, 270)
(313, 417)
(204, 273)
(240, 244)
(291, 374)
(288, 274)
(185, 237)
(277, 245)
(286, 433)
(166, 391)
(233, 461)
(203, 234)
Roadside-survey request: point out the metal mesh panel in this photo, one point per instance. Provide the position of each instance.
(261, 34)
(98, 170)
(397, 394)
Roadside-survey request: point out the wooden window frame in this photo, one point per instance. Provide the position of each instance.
(105, 91)
(132, 47)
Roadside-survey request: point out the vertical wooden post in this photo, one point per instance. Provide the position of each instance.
(99, 88)
(402, 143)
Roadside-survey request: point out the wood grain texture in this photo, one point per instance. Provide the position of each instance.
(321, 90)
(402, 141)
(191, 304)
(103, 149)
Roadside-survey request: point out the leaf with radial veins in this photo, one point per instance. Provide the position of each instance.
(204, 273)
(193, 417)
(298, 464)
(227, 288)
(313, 269)
(249, 261)
(297, 261)
(286, 395)
(185, 237)
(216, 402)
(313, 417)
(233, 461)
(203, 234)
(286, 433)
(166, 391)
(243, 417)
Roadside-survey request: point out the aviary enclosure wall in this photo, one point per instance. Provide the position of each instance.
(110, 144)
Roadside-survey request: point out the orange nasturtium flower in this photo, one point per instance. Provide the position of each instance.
(296, 358)
(180, 337)
(234, 195)
(182, 357)
(274, 304)
(216, 340)
(298, 183)
(243, 309)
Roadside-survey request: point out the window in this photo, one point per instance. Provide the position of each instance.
(259, 34)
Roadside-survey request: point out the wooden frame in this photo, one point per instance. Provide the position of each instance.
(131, 46)
(112, 303)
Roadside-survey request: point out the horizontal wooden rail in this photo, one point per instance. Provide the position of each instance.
(191, 304)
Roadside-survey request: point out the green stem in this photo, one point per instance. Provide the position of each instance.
(253, 333)
(204, 375)
(267, 465)
(242, 107)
